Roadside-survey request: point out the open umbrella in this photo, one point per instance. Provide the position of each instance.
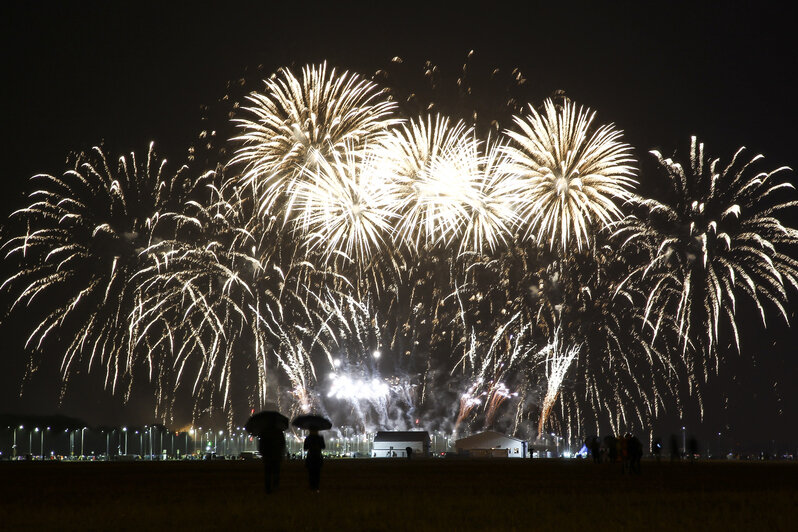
(268, 419)
(312, 422)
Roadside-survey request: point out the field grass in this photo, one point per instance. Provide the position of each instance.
(399, 495)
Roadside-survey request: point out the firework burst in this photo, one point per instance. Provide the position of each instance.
(298, 123)
(426, 157)
(576, 174)
(718, 237)
(85, 245)
(347, 206)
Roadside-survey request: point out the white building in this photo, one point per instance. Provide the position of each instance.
(490, 444)
(394, 444)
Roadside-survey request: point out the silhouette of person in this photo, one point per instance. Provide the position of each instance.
(313, 445)
(612, 448)
(272, 448)
(674, 448)
(635, 450)
(409, 452)
(626, 456)
(595, 449)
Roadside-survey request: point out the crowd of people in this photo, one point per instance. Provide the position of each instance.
(626, 449)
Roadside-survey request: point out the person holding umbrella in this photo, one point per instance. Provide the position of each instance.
(268, 426)
(314, 443)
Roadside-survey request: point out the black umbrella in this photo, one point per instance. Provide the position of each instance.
(312, 422)
(268, 419)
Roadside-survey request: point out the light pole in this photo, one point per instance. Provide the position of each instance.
(14, 447)
(684, 441)
(81, 441)
(41, 443)
(124, 429)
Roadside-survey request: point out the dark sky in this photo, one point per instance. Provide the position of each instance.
(78, 74)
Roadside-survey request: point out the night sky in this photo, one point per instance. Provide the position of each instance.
(79, 74)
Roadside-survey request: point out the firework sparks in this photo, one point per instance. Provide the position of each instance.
(347, 206)
(557, 359)
(576, 174)
(718, 237)
(85, 245)
(393, 253)
(300, 122)
(426, 157)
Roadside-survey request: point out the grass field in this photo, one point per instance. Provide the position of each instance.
(439, 495)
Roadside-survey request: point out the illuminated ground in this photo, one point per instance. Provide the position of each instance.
(436, 495)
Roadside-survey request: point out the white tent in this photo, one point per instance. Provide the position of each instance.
(389, 444)
(491, 444)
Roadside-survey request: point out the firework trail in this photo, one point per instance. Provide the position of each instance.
(242, 294)
(718, 236)
(577, 174)
(504, 359)
(84, 246)
(469, 400)
(514, 302)
(351, 339)
(557, 359)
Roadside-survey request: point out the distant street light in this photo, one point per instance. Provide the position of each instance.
(124, 429)
(81, 441)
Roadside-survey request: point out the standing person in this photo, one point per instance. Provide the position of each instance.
(313, 445)
(674, 448)
(635, 449)
(595, 450)
(272, 448)
(623, 443)
(612, 448)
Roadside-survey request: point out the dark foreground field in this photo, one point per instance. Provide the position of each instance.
(414, 495)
